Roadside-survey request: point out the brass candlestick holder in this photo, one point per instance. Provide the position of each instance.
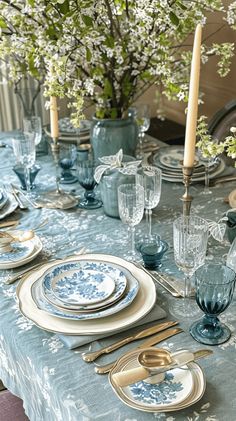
(57, 199)
(187, 178)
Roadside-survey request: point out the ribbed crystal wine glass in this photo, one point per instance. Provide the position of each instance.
(190, 236)
(131, 208)
(149, 178)
(86, 179)
(215, 283)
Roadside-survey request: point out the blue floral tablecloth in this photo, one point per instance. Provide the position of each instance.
(53, 381)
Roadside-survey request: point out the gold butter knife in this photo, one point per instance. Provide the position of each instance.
(102, 369)
(91, 356)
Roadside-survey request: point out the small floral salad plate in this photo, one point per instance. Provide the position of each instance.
(180, 388)
(82, 286)
(115, 273)
(18, 252)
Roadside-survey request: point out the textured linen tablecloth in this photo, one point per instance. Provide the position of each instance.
(53, 381)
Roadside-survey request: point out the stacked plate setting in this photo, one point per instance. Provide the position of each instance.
(77, 296)
(181, 387)
(169, 158)
(71, 134)
(7, 204)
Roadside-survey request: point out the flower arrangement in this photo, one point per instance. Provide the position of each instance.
(107, 52)
(210, 147)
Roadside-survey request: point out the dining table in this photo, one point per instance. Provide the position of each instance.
(53, 381)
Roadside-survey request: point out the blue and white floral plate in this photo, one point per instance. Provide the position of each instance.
(116, 274)
(139, 308)
(34, 247)
(80, 286)
(180, 388)
(19, 252)
(42, 304)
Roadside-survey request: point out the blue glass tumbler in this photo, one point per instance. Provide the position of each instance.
(214, 284)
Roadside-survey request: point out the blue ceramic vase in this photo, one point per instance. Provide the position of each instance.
(109, 136)
(109, 184)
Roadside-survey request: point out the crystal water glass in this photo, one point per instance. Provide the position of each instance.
(24, 150)
(149, 178)
(208, 163)
(32, 124)
(131, 208)
(142, 116)
(190, 236)
(215, 283)
(86, 179)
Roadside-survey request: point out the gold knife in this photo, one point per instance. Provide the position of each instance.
(6, 224)
(91, 356)
(102, 369)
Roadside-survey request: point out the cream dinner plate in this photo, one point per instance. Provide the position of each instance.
(141, 305)
(35, 245)
(180, 389)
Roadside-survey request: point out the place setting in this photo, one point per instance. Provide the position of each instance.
(169, 158)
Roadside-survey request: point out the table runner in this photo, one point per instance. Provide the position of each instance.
(53, 381)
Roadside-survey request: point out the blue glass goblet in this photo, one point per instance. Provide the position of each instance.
(68, 155)
(86, 179)
(215, 284)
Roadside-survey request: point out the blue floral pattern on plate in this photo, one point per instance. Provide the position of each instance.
(116, 274)
(19, 252)
(126, 300)
(82, 286)
(160, 393)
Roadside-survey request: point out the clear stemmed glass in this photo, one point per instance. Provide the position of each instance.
(33, 124)
(149, 178)
(24, 150)
(190, 236)
(208, 163)
(131, 208)
(142, 115)
(86, 179)
(215, 283)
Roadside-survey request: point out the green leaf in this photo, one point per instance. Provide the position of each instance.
(3, 24)
(107, 88)
(174, 19)
(88, 54)
(64, 7)
(31, 3)
(87, 20)
(109, 41)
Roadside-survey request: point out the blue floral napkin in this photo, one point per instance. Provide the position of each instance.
(75, 341)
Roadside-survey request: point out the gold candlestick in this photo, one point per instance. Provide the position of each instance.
(187, 178)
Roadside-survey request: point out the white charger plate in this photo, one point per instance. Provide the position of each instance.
(37, 247)
(141, 306)
(116, 274)
(181, 391)
(9, 207)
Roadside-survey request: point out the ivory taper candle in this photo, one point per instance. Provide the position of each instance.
(54, 117)
(191, 121)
